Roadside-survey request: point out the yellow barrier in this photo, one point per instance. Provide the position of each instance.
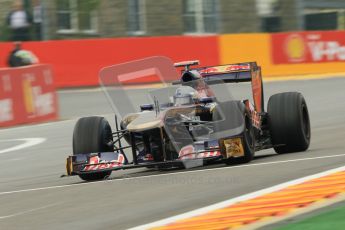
(257, 47)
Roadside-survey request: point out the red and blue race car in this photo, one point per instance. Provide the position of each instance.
(193, 121)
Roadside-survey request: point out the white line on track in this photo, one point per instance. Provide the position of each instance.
(229, 202)
(167, 174)
(28, 142)
(27, 211)
(52, 123)
(5, 161)
(34, 126)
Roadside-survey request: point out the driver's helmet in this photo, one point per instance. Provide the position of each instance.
(26, 57)
(194, 79)
(190, 77)
(185, 95)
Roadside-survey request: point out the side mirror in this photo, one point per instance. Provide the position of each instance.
(146, 107)
(206, 100)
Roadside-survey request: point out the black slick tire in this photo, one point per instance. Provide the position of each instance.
(289, 123)
(92, 135)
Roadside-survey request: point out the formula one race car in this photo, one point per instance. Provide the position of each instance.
(193, 121)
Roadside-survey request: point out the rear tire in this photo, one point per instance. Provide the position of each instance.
(92, 135)
(289, 122)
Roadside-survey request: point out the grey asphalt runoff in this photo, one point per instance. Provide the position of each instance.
(33, 196)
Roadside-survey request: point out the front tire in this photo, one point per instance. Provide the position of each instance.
(248, 145)
(235, 116)
(289, 122)
(92, 135)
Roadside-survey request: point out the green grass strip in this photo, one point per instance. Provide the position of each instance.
(334, 220)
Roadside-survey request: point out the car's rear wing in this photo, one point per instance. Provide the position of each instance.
(232, 73)
(240, 72)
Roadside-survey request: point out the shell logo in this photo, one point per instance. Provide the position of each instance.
(295, 48)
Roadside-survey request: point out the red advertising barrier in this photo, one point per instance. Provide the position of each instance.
(308, 47)
(77, 62)
(27, 95)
